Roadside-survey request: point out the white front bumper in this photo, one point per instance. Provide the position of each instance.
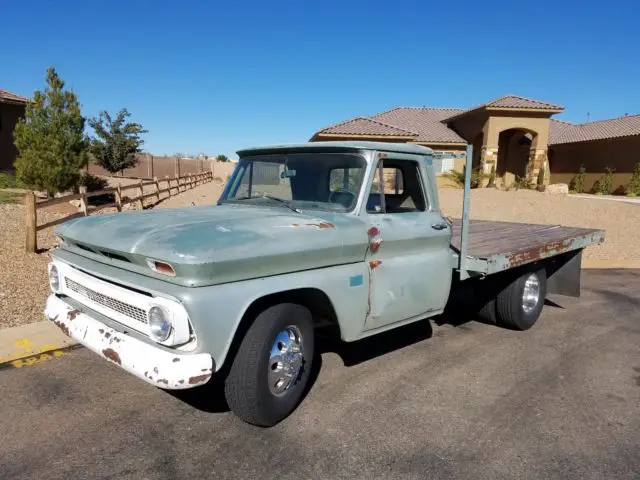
(168, 370)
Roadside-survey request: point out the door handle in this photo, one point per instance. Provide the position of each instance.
(439, 226)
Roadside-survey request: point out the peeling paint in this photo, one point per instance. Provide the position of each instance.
(373, 231)
(199, 379)
(320, 225)
(175, 360)
(112, 355)
(73, 314)
(61, 325)
(375, 246)
(163, 380)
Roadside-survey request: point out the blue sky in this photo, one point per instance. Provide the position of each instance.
(215, 76)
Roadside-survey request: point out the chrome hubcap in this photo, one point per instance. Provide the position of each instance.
(531, 294)
(285, 360)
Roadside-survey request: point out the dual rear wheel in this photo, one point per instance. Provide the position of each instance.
(519, 302)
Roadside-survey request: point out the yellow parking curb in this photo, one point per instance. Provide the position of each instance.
(33, 343)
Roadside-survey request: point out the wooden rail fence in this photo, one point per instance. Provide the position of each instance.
(174, 185)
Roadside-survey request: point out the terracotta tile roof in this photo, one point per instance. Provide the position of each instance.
(8, 97)
(511, 101)
(564, 132)
(426, 121)
(366, 126)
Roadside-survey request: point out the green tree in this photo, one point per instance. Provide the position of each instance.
(51, 139)
(222, 158)
(116, 141)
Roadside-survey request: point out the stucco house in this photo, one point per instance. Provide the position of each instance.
(12, 108)
(515, 134)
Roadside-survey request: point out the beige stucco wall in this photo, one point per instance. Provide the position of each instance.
(497, 124)
(9, 116)
(619, 153)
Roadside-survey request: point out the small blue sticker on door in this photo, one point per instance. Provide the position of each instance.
(355, 280)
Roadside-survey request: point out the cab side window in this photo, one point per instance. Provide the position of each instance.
(400, 190)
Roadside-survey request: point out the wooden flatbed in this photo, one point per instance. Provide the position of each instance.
(496, 246)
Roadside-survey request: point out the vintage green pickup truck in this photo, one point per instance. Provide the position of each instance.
(345, 236)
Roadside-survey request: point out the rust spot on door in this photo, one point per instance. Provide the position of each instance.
(373, 264)
(373, 231)
(375, 245)
(112, 355)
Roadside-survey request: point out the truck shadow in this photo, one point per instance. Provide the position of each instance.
(210, 397)
(354, 353)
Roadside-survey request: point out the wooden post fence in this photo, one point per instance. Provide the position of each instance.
(31, 205)
(31, 218)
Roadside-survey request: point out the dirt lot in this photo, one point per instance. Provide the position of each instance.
(23, 284)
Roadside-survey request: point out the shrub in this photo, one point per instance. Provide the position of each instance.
(492, 176)
(8, 180)
(633, 188)
(577, 182)
(458, 177)
(541, 176)
(92, 182)
(455, 176)
(521, 183)
(604, 186)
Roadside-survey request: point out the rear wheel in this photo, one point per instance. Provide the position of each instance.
(520, 303)
(271, 369)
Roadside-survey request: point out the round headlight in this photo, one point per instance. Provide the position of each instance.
(54, 279)
(159, 324)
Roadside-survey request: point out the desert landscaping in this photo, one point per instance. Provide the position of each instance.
(24, 287)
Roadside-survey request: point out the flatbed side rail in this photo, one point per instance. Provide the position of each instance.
(505, 261)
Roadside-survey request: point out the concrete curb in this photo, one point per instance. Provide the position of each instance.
(41, 338)
(32, 340)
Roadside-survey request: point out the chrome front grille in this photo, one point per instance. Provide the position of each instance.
(111, 303)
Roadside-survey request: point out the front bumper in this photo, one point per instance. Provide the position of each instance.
(167, 370)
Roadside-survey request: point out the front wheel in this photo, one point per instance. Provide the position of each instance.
(519, 305)
(271, 369)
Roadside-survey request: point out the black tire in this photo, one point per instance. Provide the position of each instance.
(510, 310)
(247, 389)
(488, 312)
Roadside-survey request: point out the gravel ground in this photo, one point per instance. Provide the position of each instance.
(23, 283)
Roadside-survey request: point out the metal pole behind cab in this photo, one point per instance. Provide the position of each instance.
(464, 235)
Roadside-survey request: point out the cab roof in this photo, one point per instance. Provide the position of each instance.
(337, 147)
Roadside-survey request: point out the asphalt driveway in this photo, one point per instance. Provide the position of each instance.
(470, 401)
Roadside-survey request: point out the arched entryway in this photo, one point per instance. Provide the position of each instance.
(514, 152)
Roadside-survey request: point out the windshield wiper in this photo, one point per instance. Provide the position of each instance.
(282, 201)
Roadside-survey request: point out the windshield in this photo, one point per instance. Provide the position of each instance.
(314, 181)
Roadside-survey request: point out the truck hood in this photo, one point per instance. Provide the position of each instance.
(218, 244)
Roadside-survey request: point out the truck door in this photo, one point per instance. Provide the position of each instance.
(408, 257)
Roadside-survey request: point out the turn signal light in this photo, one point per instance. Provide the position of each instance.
(161, 267)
